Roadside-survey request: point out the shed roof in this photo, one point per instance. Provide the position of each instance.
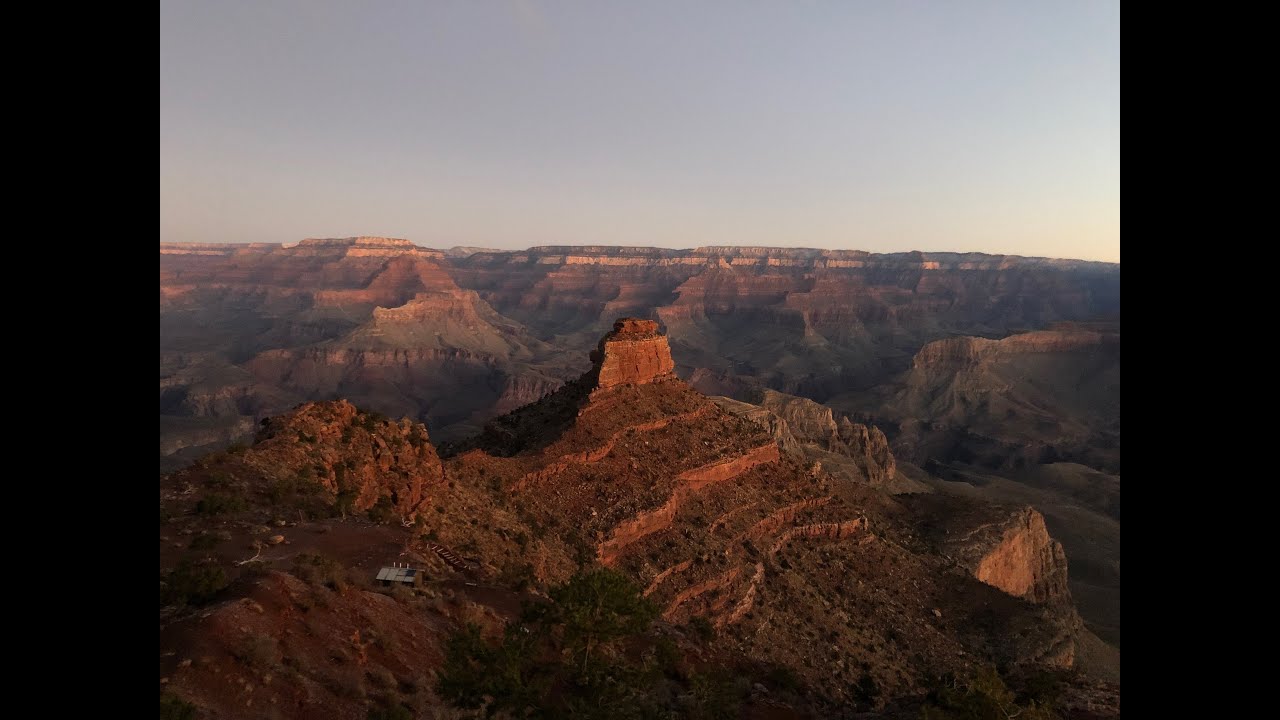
(397, 574)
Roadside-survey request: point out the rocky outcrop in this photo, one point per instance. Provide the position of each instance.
(774, 521)
(1026, 562)
(364, 246)
(521, 390)
(827, 530)
(777, 427)
(1028, 399)
(811, 431)
(747, 602)
(688, 482)
(633, 353)
(360, 459)
(589, 456)
(657, 579)
(964, 351)
(868, 446)
(1016, 555)
(714, 586)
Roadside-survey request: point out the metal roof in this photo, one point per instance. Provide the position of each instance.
(397, 574)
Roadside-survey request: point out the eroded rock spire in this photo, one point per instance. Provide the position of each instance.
(632, 353)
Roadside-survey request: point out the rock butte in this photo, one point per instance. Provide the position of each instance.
(633, 353)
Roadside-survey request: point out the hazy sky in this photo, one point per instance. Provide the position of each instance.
(882, 126)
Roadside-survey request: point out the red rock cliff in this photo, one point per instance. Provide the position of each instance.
(1025, 561)
(633, 353)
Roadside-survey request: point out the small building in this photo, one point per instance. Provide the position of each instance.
(389, 576)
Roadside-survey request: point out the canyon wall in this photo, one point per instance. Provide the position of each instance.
(456, 337)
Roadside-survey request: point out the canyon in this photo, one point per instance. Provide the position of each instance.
(900, 453)
(625, 466)
(251, 330)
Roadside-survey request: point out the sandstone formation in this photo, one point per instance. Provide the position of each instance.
(633, 353)
(811, 432)
(359, 459)
(1026, 562)
(1008, 548)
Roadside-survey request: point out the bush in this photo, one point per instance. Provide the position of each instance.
(713, 696)
(1042, 687)
(204, 542)
(666, 655)
(702, 628)
(191, 584)
(573, 643)
(300, 491)
(258, 651)
(320, 570)
(382, 511)
(782, 677)
(394, 712)
(173, 707)
(866, 690)
(983, 696)
(218, 503)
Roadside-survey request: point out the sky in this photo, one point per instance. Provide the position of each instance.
(883, 126)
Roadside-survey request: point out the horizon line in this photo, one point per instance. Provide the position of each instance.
(532, 248)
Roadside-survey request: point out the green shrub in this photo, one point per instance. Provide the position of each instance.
(866, 691)
(716, 695)
(666, 654)
(173, 707)
(382, 511)
(394, 712)
(317, 569)
(702, 628)
(258, 651)
(782, 677)
(573, 643)
(205, 541)
(983, 696)
(191, 584)
(218, 504)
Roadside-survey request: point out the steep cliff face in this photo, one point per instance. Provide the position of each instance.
(633, 353)
(1025, 562)
(961, 352)
(1031, 398)
(1008, 548)
(868, 446)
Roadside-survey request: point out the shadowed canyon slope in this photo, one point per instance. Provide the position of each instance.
(251, 330)
(626, 466)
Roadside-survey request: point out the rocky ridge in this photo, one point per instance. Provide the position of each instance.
(837, 581)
